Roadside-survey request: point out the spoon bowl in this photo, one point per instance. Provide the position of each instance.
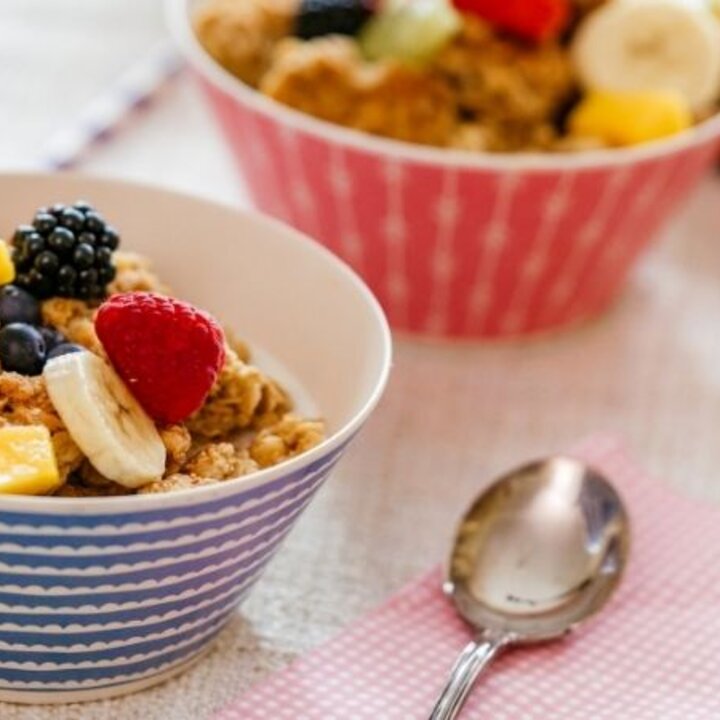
(539, 552)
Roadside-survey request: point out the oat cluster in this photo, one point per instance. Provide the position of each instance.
(482, 92)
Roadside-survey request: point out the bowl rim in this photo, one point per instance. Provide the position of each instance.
(51, 505)
(177, 13)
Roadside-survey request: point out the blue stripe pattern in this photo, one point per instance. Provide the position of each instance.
(91, 601)
(53, 540)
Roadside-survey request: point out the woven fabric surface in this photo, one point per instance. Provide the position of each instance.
(654, 652)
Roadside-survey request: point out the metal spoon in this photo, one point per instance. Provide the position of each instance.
(537, 553)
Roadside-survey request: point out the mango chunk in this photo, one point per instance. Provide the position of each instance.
(630, 118)
(27, 461)
(7, 267)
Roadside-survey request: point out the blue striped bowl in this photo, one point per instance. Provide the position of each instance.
(101, 597)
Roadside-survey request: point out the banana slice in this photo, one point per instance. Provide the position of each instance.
(104, 419)
(630, 45)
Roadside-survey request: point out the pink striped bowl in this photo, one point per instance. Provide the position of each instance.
(456, 244)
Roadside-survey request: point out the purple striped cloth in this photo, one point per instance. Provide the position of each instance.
(102, 118)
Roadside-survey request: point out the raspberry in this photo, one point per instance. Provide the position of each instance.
(168, 352)
(532, 19)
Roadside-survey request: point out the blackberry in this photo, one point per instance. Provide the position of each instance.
(67, 250)
(44, 222)
(331, 17)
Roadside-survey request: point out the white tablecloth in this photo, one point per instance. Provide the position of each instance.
(452, 416)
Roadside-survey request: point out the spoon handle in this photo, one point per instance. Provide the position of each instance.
(476, 656)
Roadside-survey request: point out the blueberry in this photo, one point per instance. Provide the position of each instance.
(62, 240)
(52, 337)
(44, 222)
(64, 349)
(18, 306)
(22, 349)
(83, 256)
(72, 219)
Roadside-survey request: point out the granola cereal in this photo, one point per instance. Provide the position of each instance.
(242, 35)
(220, 460)
(134, 273)
(178, 441)
(512, 92)
(381, 98)
(175, 482)
(86, 335)
(241, 396)
(73, 318)
(285, 439)
(25, 401)
(475, 75)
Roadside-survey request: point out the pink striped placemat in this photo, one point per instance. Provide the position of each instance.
(654, 654)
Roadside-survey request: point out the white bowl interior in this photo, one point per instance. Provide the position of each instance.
(275, 288)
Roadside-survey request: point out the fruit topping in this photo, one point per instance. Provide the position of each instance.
(7, 268)
(22, 349)
(64, 348)
(27, 461)
(52, 337)
(410, 31)
(67, 251)
(535, 20)
(651, 45)
(105, 419)
(630, 118)
(18, 306)
(331, 17)
(24, 343)
(168, 352)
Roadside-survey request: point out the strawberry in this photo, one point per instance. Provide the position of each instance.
(532, 19)
(168, 352)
